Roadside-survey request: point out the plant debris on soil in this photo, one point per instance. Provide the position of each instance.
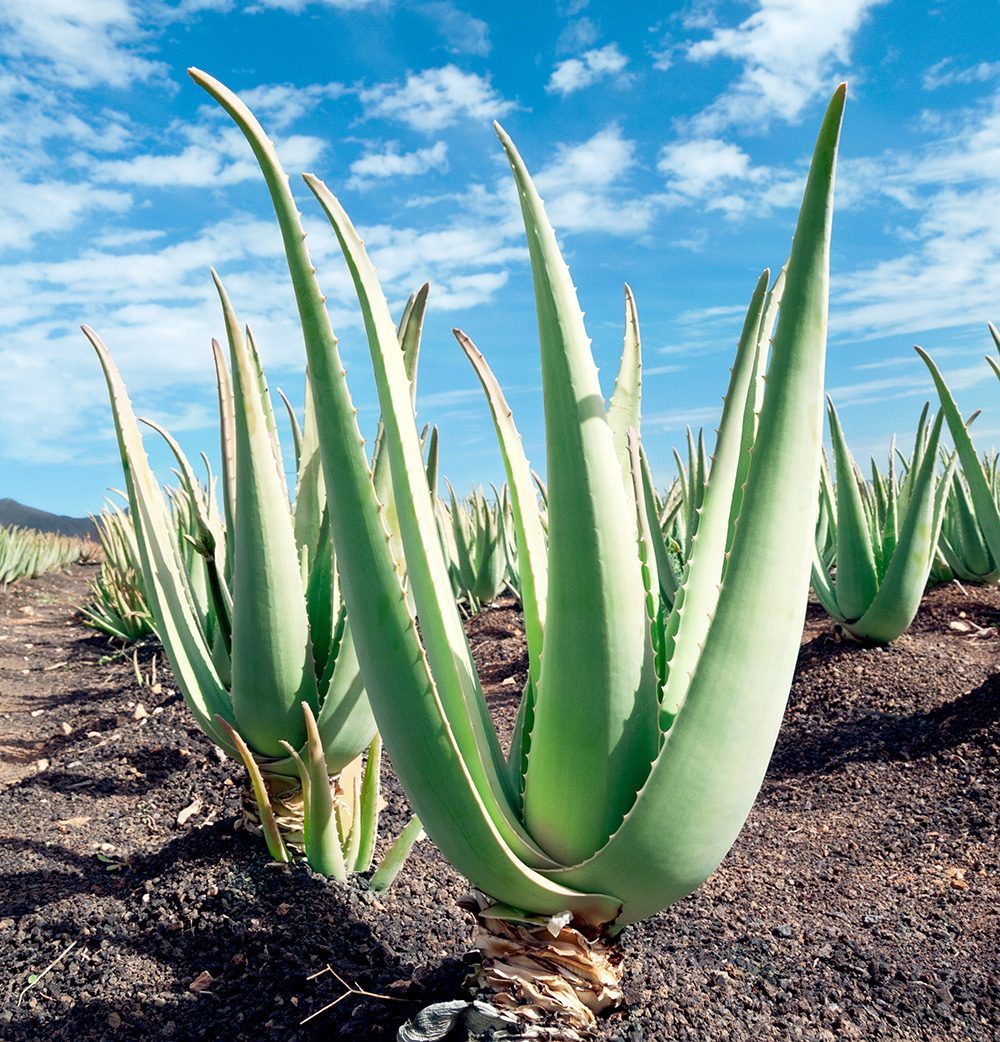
(861, 900)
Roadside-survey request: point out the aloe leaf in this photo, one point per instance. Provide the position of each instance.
(345, 718)
(227, 445)
(987, 512)
(592, 742)
(894, 606)
(532, 554)
(753, 327)
(664, 568)
(272, 664)
(166, 585)
(718, 748)
(383, 876)
(219, 612)
(624, 407)
(272, 834)
(857, 579)
(322, 837)
(974, 555)
(366, 820)
(695, 603)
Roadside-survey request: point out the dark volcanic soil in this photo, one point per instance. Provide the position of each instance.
(860, 902)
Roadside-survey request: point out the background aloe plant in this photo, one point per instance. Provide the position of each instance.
(885, 535)
(979, 475)
(633, 746)
(247, 604)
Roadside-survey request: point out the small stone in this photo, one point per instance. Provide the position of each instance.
(139, 713)
(114, 1021)
(66, 728)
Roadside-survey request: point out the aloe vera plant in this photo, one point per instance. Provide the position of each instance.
(250, 616)
(118, 606)
(885, 535)
(981, 506)
(644, 734)
(482, 557)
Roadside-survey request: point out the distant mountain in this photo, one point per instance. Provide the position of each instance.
(14, 513)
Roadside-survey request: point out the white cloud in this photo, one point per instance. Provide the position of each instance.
(695, 168)
(390, 162)
(29, 209)
(583, 191)
(591, 67)
(578, 36)
(298, 6)
(277, 105)
(79, 44)
(601, 160)
(789, 50)
(435, 98)
(464, 33)
(943, 74)
(214, 156)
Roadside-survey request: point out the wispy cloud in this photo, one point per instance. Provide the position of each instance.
(278, 105)
(435, 98)
(78, 44)
(574, 74)
(390, 162)
(214, 155)
(464, 33)
(944, 74)
(789, 50)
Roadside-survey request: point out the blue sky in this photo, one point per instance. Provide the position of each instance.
(670, 142)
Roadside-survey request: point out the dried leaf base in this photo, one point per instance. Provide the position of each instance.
(285, 796)
(539, 968)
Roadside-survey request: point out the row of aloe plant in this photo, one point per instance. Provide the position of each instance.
(26, 553)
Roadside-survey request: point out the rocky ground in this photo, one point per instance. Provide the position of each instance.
(860, 902)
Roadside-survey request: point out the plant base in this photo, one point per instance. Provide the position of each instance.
(536, 966)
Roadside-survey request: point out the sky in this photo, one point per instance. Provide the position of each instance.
(669, 141)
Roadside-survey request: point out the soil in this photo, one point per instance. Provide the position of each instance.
(861, 901)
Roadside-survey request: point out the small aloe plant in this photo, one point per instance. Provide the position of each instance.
(248, 607)
(635, 746)
(978, 502)
(885, 537)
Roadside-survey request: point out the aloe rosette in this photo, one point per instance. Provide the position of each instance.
(644, 735)
(972, 537)
(248, 608)
(885, 536)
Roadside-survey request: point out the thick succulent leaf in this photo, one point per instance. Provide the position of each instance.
(272, 664)
(366, 820)
(979, 486)
(624, 406)
(719, 746)
(595, 729)
(310, 488)
(268, 822)
(166, 584)
(895, 605)
(345, 718)
(322, 838)
(227, 445)
(972, 553)
(757, 314)
(532, 553)
(695, 603)
(857, 579)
